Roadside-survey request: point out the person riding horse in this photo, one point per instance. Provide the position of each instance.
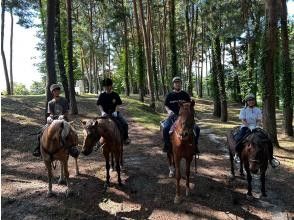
(57, 109)
(172, 107)
(251, 117)
(108, 102)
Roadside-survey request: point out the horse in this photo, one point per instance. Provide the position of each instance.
(111, 140)
(182, 140)
(54, 145)
(255, 155)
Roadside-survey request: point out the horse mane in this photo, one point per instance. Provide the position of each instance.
(65, 126)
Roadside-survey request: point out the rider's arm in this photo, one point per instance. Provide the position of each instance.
(103, 113)
(169, 111)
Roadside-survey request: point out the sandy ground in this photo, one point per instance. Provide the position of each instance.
(147, 192)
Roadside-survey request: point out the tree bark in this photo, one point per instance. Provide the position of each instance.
(172, 36)
(126, 48)
(148, 55)
(50, 61)
(60, 57)
(269, 47)
(139, 55)
(215, 87)
(11, 51)
(71, 83)
(286, 73)
(8, 89)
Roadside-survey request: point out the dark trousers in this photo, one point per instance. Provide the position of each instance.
(239, 137)
(124, 125)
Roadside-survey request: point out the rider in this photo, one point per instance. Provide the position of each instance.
(251, 117)
(108, 102)
(57, 109)
(172, 108)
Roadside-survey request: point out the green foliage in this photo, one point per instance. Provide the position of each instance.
(37, 88)
(20, 89)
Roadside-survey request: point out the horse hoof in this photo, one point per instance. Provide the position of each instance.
(50, 194)
(61, 182)
(171, 174)
(177, 200)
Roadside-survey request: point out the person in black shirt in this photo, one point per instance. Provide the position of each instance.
(108, 102)
(172, 107)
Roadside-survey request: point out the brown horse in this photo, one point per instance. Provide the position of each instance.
(182, 140)
(111, 142)
(55, 143)
(255, 156)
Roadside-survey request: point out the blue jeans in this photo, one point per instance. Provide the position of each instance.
(166, 127)
(243, 131)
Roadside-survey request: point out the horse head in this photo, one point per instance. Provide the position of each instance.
(91, 136)
(186, 118)
(256, 149)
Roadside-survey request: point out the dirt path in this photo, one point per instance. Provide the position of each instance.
(147, 192)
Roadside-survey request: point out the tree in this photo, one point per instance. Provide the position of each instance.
(11, 51)
(172, 38)
(50, 61)
(59, 52)
(71, 83)
(8, 88)
(286, 72)
(269, 47)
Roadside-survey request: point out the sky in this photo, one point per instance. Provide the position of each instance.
(25, 55)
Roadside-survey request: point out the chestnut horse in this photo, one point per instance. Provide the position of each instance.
(255, 156)
(182, 140)
(111, 142)
(55, 143)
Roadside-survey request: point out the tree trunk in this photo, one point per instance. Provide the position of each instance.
(60, 57)
(172, 36)
(237, 89)
(126, 46)
(139, 55)
(148, 55)
(50, 61)
(11, 52)
(8, 89)
(220, 79)
(286, 73)
(71, 83)
(269, 47)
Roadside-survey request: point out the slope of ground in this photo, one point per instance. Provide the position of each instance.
(147, 192)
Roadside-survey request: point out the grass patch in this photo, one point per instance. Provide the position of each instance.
(143, 114)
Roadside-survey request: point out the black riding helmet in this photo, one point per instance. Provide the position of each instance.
(107, 82)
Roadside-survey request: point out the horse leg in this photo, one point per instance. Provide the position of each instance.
(77, 167)
(49, 169)
(232, 165)
(61, 180)
(66, 173)
(249, 179)
(188, 163)
(106, 155)
(117, 163)
(262, 179)
(241, 167)
(112, 163)
(178, 178)
(121, 156)
(171, 165)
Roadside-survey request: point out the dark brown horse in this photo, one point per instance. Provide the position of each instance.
(111, 140)
(55, 143)
(182, 140)
(255, 156)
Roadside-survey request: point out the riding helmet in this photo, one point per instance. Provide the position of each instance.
(177, 78)
(107, 82)
(54, 86)
(249, 97)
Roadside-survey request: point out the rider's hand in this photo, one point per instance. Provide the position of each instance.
(61, 117)
(115, 114)
(49, 120)
(170, 113)
(103, 114)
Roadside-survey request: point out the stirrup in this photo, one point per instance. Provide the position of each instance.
(274, 162)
